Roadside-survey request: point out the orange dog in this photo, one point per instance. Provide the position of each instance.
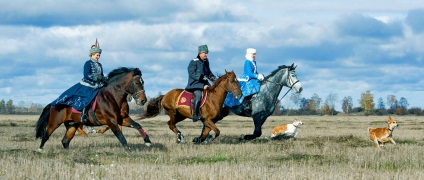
(381, 135)
(286, 131)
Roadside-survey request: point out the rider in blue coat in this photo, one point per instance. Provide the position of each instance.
(199, 73)
(82, 94)
(249, 81)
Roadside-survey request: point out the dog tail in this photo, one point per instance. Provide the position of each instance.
(370, 129)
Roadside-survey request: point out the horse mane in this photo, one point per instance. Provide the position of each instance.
(112, 76)
(215, 84)
(274, 72)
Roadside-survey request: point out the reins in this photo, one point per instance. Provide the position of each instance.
(290, 88)
(133, 95)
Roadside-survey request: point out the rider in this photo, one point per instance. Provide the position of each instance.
(81, 94)
(198, 75)
(249, 81)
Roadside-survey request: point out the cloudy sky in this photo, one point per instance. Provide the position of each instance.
(342, 47)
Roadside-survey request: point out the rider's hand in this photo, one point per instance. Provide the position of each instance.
(205, 87)
(260, 77)
(205, 78)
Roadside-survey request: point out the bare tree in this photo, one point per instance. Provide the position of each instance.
(347, 104)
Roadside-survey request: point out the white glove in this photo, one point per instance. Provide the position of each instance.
(260, 77)
(206, 86)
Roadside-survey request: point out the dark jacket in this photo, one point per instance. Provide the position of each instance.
(93, 74)
(197, 70)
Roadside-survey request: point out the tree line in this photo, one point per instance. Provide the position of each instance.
(295, 105)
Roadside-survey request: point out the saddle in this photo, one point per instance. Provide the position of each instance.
(185, 99)
(93, 107)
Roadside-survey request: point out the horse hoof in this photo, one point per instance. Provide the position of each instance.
(180, 138)
(148, 144)
(39, 150)
(196, 140)
(242, 137)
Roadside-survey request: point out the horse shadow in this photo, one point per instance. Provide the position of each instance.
(234, 139)
(155, 146)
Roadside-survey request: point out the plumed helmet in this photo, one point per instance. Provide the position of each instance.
(95, 48)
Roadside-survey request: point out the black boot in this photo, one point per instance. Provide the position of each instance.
(196, 115)
(84, 116)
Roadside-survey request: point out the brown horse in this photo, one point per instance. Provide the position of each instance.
(210, 111)
(110, 99)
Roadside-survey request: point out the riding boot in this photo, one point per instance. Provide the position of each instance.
(84, 116)
(196, 114)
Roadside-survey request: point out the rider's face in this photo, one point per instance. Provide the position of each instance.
(203, 55)
(96, 56)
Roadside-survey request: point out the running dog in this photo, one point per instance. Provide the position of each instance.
(382, 135)
(286, 131)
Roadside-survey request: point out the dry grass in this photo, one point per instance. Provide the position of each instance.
(326, 148)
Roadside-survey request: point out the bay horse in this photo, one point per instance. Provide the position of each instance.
(261, 105)
(210, 111)
(110, 99)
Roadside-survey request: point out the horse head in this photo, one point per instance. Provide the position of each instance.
(292, 81)
(138, 84)
(129, 81)
(232, 85)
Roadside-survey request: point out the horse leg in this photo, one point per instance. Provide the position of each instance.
(101, 131)
(135, 125)
(51, 127)
(207, 127)
(118, 134)
(81, 131)
(71, 128)
(257, 132)
(172, 124)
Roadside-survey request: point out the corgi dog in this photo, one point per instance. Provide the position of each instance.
(381, 135)
(286, 131)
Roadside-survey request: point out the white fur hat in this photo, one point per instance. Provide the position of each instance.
(250, 51)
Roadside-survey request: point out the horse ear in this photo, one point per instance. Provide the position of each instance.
(226, 71)
(293, 66)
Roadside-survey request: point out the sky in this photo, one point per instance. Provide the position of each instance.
(340, 47)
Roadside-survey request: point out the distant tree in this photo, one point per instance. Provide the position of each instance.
(315, 103)
(402, 107)
(332, 99)
(392, 103)
(326, 109)
(403, 103)
(415, 111)
(35, 108)
(381, 108)
(347, 104)
(2, 106)
(294, 100)
(381, 104)
(367, 102)
(277, 110)
(9, 106)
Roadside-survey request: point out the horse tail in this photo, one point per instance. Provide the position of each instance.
(41, 125)
(153, 107)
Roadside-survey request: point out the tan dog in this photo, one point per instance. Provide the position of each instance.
(286, 131)
(381, 135)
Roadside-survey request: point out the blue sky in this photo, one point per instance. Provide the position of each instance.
(342, 47)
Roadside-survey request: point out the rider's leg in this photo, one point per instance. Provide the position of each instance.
(84, 115)
(196, 105)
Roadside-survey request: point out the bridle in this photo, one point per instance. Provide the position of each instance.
(289, 79)
(229, 90)
(133, 95)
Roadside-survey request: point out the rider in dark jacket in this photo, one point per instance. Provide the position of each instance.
(198, 75)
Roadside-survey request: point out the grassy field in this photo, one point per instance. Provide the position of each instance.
(327, 147)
